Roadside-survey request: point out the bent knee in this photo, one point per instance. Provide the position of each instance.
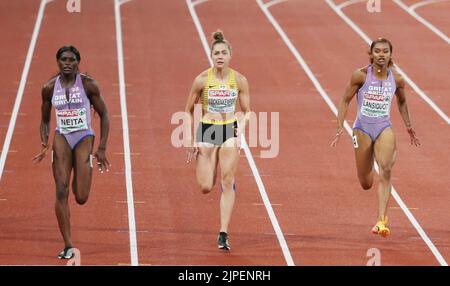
(366, 182)
(206, 188)
(366, 185)
(81, 194)
(81, 200)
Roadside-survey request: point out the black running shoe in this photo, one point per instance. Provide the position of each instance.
(222, 241)
(67, 253)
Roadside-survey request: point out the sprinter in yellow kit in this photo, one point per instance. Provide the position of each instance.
(217, 139)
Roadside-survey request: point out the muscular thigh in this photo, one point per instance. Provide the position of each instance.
(363, 152)
(83, 161)
(207, 161)
(229, 157)
(385, 148)
(61, 160)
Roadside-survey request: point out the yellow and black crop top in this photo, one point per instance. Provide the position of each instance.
(219, 97)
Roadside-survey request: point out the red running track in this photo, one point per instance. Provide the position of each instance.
(324, 215)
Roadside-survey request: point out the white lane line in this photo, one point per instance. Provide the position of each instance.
(348, 3)
(417, 226)
(122, 2)
(301, 62)
(198, 2)
(126, 138)
(400, 71)
(20, 91)
(261, 204)
(412, 12)
(424, 3)
(126, 202)
(399, 208)
(316, 83)
(272, 3)
(259, 182)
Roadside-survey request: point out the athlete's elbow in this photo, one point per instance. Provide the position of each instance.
(401, 102)
(45, 124)
(104, 116)
(346, 100)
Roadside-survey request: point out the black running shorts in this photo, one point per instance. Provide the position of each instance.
(216, 134)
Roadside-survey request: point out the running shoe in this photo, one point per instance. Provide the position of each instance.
(222, 241)
(67, 253)
(381, 228)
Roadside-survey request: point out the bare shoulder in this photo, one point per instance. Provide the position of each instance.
(399, 80)
(47, 89)
(241, 80)
(200, 80)
(50, 85)
(90, 85)
(203, 75)
(359, 76)
(88, 81)
(361, 72)
(239, 76)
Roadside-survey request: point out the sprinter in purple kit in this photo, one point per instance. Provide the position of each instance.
(373, 137)
(72, 94)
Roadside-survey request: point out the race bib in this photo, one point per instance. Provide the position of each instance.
(71, 120)
(377, 101)
(222, 100)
